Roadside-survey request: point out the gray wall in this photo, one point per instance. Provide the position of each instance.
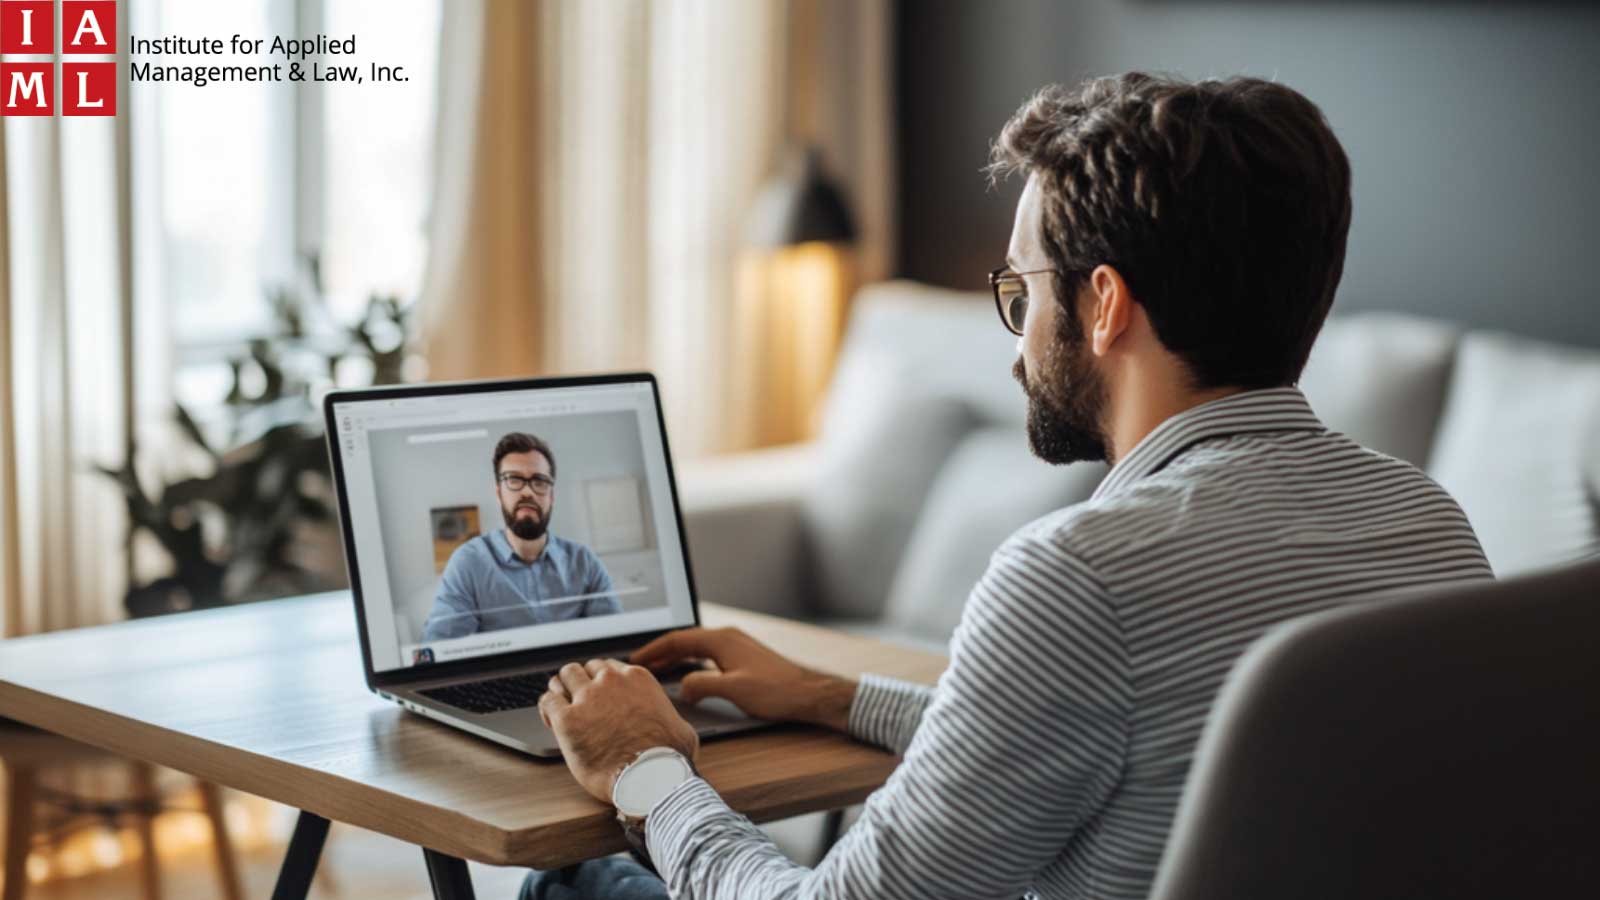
(1473, 131)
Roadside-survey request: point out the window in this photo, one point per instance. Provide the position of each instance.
(226, 163)
(378, 156)
(245, 182)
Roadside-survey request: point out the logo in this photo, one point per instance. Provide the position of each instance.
(29, 88)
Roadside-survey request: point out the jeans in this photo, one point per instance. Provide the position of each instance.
(611, 878)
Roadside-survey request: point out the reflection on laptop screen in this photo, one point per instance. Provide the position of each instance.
(569, 536)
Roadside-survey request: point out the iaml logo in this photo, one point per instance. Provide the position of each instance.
(88, 28)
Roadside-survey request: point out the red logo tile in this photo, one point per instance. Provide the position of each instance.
(88, 88)
(89, 26)
(28, 88)
(27, 26)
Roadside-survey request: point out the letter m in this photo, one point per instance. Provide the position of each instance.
(29, 88)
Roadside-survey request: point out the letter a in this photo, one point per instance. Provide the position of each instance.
(88, 22)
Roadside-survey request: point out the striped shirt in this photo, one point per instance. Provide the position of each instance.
(1049, 759)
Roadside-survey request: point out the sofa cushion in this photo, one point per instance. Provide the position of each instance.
(1521, 419)
(746, 535)
(949, 343)
(920, 368)
(1380, 378)
(988, 488)
(869, 494)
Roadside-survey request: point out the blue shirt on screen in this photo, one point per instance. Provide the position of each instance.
(487, 587)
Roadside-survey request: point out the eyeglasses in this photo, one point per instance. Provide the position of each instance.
(1011, 296)
(541, 484)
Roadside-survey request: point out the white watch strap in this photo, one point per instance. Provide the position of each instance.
(651, 776)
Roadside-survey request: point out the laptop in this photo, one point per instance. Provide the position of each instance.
(495, 531)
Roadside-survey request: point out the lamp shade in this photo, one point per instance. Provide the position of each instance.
(800, 205)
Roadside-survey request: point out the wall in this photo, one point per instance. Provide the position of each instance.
(1473, 131)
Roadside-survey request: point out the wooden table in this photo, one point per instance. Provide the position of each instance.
(269, 699)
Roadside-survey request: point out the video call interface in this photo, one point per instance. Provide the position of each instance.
(495, 522)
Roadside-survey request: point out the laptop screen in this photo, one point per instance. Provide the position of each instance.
(487, 522)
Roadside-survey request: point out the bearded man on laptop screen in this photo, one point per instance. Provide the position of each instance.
(522, 574)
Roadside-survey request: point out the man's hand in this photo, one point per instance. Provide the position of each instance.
(758, 680)
(603, 713)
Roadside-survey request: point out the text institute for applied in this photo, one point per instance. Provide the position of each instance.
(288, 48)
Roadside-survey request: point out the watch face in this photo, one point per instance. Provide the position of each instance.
(651, 777)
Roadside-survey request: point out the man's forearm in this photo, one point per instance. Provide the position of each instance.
(882, 711)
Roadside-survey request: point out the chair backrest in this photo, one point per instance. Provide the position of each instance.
(1445, 745)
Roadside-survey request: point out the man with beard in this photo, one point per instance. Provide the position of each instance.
(521, 574)
(1174, 253)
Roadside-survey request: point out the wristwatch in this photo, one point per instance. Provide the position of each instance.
(641, 784)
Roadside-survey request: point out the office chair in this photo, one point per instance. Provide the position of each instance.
(1439, 745)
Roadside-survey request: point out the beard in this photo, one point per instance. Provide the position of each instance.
(529, 528)
(1066, 403)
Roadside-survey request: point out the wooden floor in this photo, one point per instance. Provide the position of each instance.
(355, 864)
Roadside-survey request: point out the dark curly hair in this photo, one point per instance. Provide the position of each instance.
(1223, 204)
(522, 442)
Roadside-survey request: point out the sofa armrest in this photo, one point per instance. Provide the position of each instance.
(746, 529)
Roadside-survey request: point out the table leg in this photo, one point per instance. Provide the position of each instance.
(832, 827)
(144, 784)
(448, 875)
(300, 863)
(221, 842)
(20, 791)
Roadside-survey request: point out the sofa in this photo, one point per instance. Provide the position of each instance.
(920, 466)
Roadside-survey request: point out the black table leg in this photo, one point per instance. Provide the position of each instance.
(300, 863)
(448, 875)
(832, 827)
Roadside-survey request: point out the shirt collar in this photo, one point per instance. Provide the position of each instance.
(1271, 409)
(500, 547)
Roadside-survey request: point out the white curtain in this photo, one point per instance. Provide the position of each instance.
(590, 204)
(64, 397)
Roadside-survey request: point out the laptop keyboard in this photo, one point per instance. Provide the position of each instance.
(494, 695)
(515, 691)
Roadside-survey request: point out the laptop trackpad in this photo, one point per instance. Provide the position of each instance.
(714, 715)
